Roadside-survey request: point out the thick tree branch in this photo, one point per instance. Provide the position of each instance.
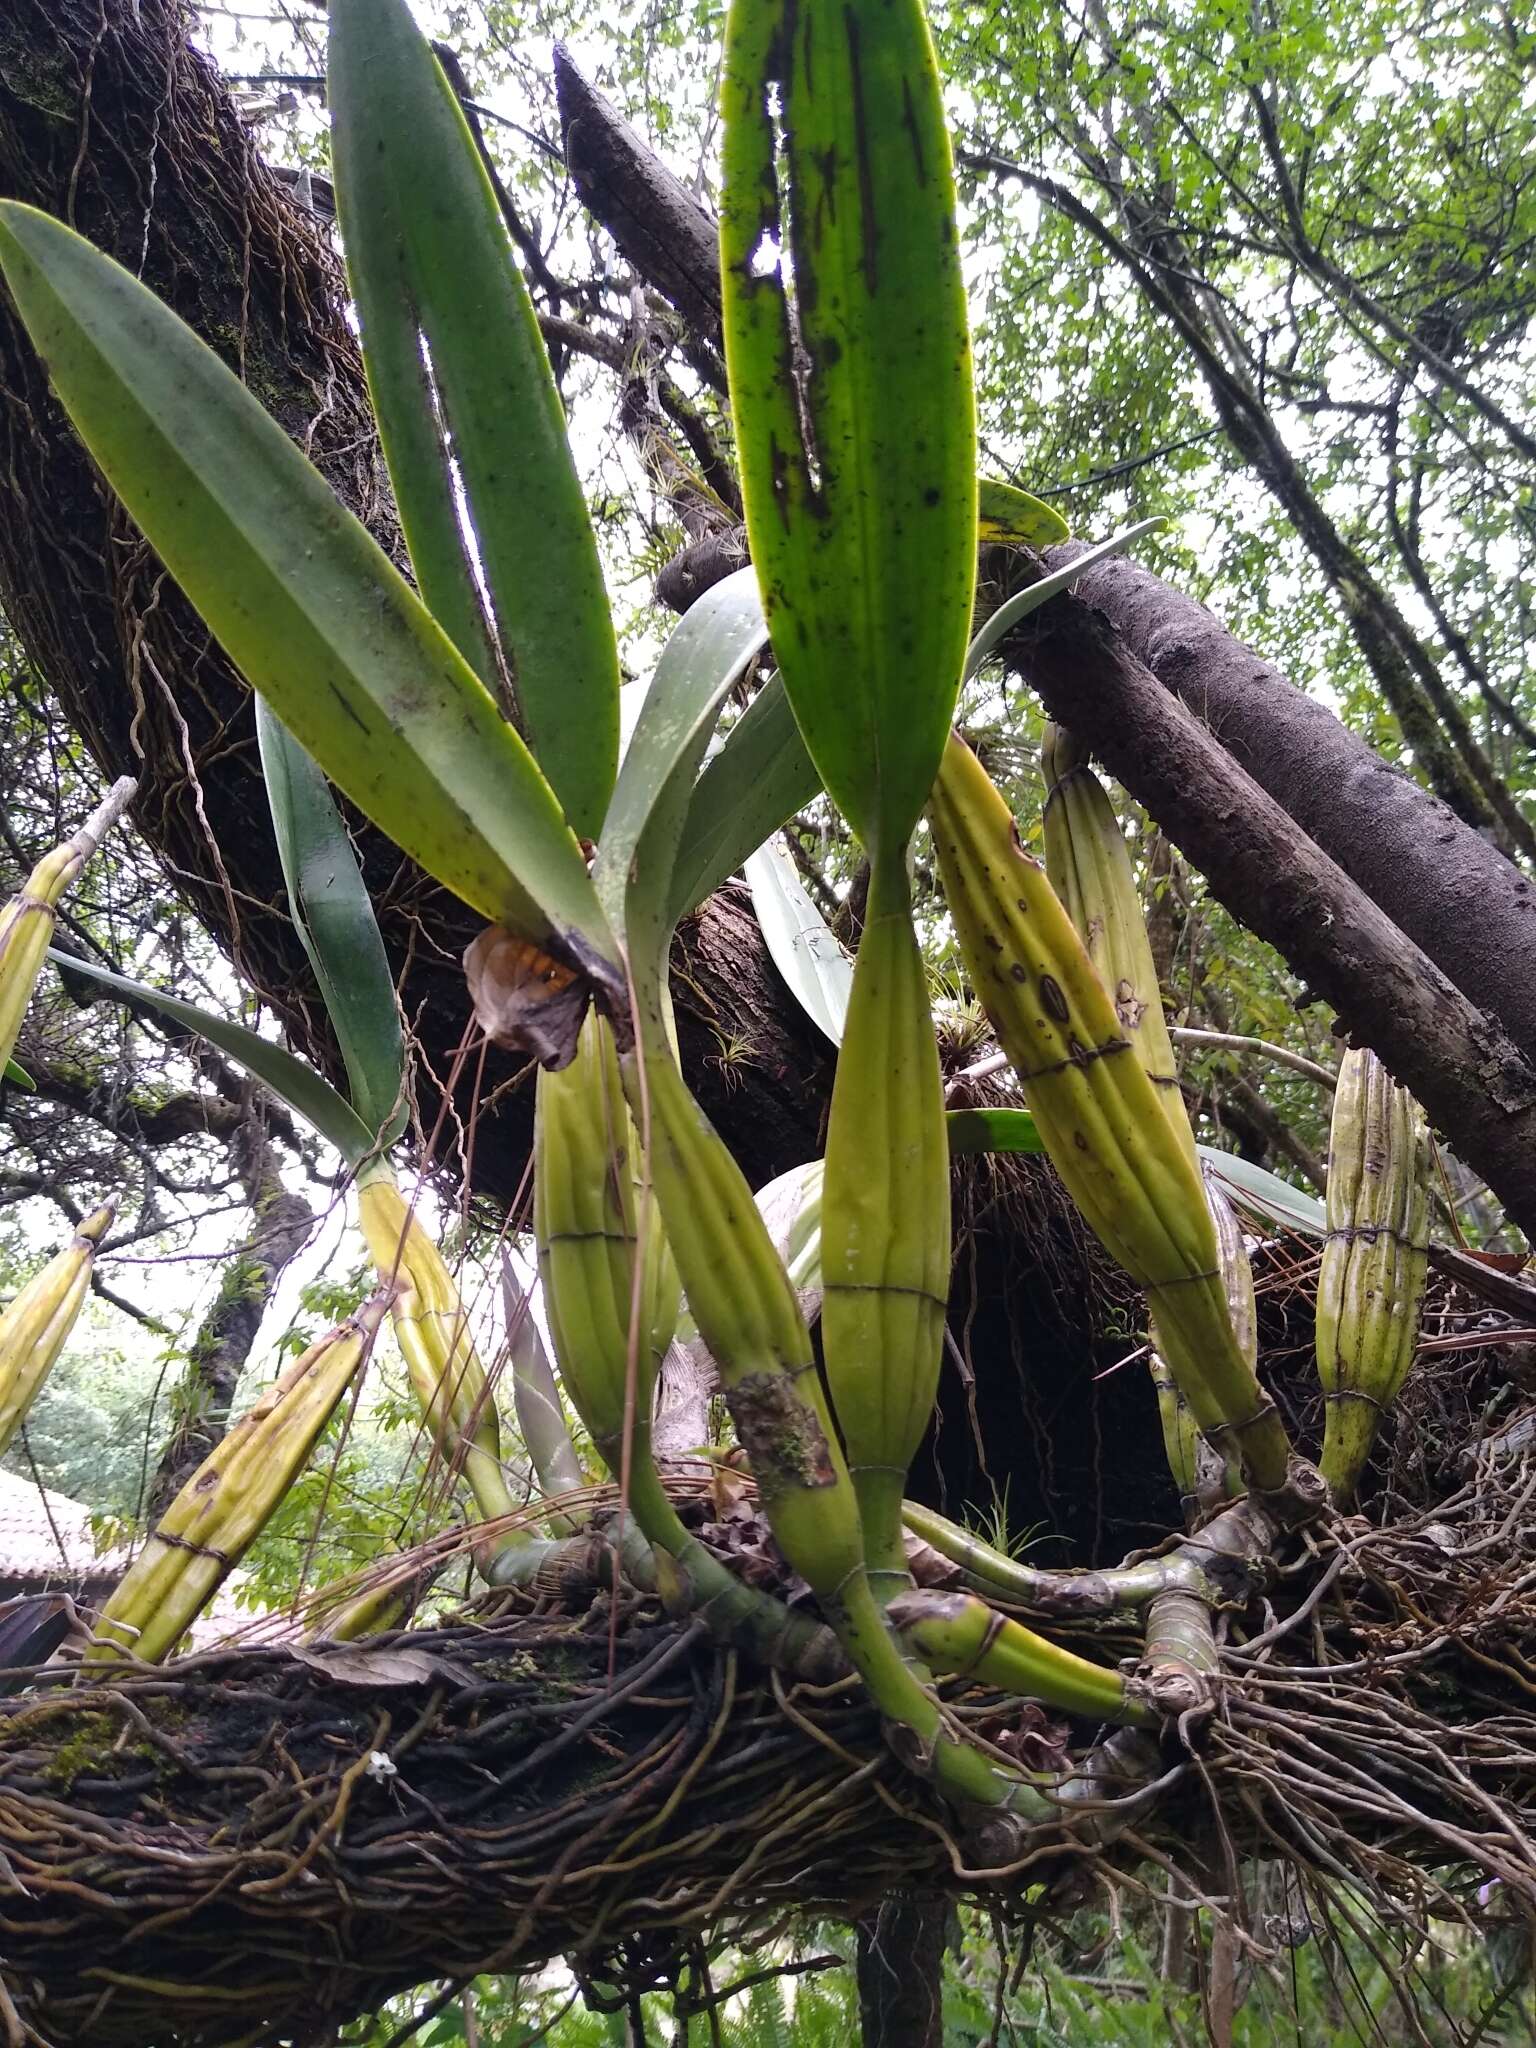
(524, 1804)
(179, 1117)
(1457, 1059)
(660, 229)
(1436, 877)
(251, 1847)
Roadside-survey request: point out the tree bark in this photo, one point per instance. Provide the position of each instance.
(275, 1841)
(251, 1846)
(109, 119)
(901, 1973)
(1439, 879)
(1476, 1085)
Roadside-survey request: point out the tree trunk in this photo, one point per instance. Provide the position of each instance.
(1475, 1084)
(109, 119)
(901, 1973)
(280, 1227)
(659, 227)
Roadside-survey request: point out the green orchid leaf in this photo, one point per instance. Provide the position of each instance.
(300, 597)
(1007, 616)
(1263, 1195)
(760, 777)
(991, 1130)
(800, 942)
(294, 1084)
(19, 1078)
(708, 653)
(850, 374)
(333, 916)
(1004, 513)
(430, 263)
(790, 1206)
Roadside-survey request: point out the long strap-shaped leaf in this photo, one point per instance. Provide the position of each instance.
(1004, 513)
(300, 1087)
(850, 379)
(760, 776)
(708, 652)
(1033, 595)
(991, 1130)
(763, 774)
(428, 259)
(303, 601)
(334, 919)
(801, 944)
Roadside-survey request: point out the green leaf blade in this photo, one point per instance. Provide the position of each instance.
(801, 944)
(761, 776)
(1264, 1195)
(709, 651)
(862, 518)
(334, 919)
(991, 1130)
(1029, 599)
(428, 257)
(300, 596)
(1005, 513)
(295, 1084)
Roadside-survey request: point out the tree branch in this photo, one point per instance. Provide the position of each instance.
(1455, 1058)
(1432, 719)
(1436, 877)
(660, 229)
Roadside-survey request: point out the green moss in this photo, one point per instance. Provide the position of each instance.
(89, 1747)
(93, 1745)
(49, 87)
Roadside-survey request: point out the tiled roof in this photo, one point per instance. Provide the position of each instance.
(46, 1542)
(46, 1536)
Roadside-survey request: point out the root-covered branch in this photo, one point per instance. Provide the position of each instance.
(249, 1847)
